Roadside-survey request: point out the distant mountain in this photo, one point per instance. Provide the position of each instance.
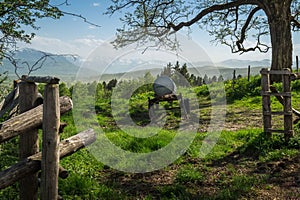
(235, 63)
(53, 65)
(66, 67)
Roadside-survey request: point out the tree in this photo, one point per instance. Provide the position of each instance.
(221, 78)
(111, 84)
(15, 15)
(214, 79)
(64, 90)
(167, 70)
(232, 22)
(205, 79)
(148, 78)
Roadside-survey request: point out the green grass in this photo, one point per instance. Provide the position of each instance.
(237, 167)
(188, 173)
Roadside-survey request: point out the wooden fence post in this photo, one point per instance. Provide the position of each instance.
(29, 143)
(288, 117)
(297, 64)
(50, 144)
(249, 72)
(233, 79)
(266, 101)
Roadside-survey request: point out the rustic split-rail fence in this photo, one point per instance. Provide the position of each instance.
(35, 113)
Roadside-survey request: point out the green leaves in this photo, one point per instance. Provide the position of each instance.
(15, 15)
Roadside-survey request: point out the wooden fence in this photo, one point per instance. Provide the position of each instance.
(284, 97)
(32, 116)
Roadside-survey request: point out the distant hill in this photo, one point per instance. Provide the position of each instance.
(235, 63)
(54, 65)
(66, 68)
(226, 72)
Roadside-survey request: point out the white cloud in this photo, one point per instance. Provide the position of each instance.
(96, 4)
(85, 46)
(82, 47)
(92, 27)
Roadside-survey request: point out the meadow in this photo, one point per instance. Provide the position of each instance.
(244, 163)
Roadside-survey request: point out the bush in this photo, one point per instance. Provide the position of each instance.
(242, 88)
(296, 85)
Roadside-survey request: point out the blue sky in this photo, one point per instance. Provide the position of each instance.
(72, 35)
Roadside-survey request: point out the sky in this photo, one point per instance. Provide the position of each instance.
(71, 35)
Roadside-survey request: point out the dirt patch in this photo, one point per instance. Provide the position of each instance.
(267, 180)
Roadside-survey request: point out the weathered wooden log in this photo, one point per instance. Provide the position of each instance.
(32, 164)
(29, 142)
(9, 102)
(63, 173)
(40, 79)
(29, 120)
(62, 126)
(50, 143)
(8, 99)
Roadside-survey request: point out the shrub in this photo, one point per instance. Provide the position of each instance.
(242, 88)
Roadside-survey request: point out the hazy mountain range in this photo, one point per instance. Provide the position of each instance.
(66, 66)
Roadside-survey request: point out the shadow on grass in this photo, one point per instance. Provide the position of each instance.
(241, 174)
(264, 162)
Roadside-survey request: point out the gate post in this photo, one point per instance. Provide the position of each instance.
(288, 114)
(29, 142)
(50, 144)
(266, 101)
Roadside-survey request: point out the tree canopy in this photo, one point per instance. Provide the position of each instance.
(15, 15)
(231, 22)
(18, 17)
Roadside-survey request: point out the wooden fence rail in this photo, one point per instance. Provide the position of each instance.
(32, 164)
(32, 116)
(29, 120)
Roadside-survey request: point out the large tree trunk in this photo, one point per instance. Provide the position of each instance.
(281, 37)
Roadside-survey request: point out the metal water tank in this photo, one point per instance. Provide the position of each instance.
(164, 85)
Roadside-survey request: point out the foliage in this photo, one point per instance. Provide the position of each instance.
(227, 172)
(19, 23)
(17, 14)
(229, 21)
(64, 90)
(241, 87)
(5, 88)
(181, 76)
(152, 23)
(234, 89)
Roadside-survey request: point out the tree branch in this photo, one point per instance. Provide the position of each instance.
(73, 14)
(38, 64)
(244, 29)
(211, 9)
(295, 22)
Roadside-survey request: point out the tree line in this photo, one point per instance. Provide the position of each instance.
(181, 76)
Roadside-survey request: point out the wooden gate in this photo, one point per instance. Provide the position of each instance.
(284, 97)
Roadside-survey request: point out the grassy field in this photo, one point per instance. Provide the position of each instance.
(244, 164)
